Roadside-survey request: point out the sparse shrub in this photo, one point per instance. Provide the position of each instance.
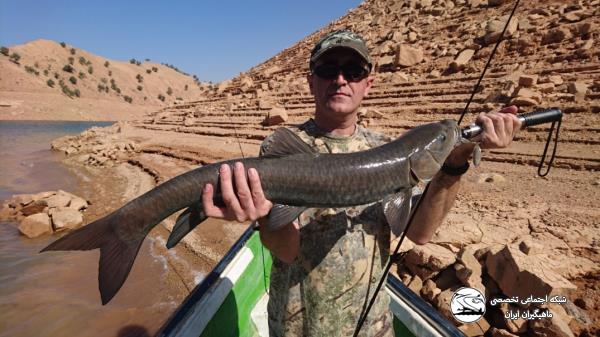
(128, 99)
(50, 83)
(139, 78)
(101, 87)
(68, 68)
(169, 91)
(118, 90)
(14, 57)
(179, 99)
(73, 80)
(132, 61)
(67, 91)
(148, 71)
(161, 97)
(81, 75)
(106, 64)
(185, 88)
(138, 63)
(140, 88)
(71, 60)
(73, 51)
(31, 70)
(82, 60)
(62, 44)
(147, 60)
(104, 80)
(56, 75)
(4, 51)
(155, 69)
(36, 65)
(46, 72)
(110, 73)
(90, 70)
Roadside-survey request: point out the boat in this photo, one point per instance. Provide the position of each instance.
(232, 300)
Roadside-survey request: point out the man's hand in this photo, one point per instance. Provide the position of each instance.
(249, 203)
(499, 130)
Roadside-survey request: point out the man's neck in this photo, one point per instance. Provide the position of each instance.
(342, 127)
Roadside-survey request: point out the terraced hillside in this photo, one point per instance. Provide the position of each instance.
(553, 39)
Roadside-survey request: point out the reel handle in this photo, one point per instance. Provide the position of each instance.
(528, 119)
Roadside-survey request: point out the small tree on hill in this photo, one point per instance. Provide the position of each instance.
(132, 61)
(4, 51)
(90, 70)
(50, 83)
(14, 57)
(161, 97)
(106, 64)
(169, 91)
(73, 51)
(73, 80)
(68, 68)
(139, 78)
(71, 60)
(62, 44)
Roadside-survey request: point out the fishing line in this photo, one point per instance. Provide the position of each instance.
(363, 317)
(488, 62)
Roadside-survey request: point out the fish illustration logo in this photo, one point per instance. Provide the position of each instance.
(467, 305)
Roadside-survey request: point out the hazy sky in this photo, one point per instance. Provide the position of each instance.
(214, 40)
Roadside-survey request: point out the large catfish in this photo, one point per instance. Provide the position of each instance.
(293, 176)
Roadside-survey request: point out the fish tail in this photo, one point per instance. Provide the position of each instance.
(116, 254)
(186, 222)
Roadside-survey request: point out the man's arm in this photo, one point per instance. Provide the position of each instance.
(499, 131)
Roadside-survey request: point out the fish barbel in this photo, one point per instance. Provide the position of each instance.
(293, 176)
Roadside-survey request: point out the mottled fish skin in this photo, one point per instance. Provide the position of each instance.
(302, 179)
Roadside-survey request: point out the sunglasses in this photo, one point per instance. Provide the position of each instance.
(352, 72)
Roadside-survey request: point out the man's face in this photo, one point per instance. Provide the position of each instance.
(339, 96)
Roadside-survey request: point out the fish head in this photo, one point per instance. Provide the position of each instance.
(436, 141)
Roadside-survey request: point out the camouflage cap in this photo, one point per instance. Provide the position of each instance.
(337, 39)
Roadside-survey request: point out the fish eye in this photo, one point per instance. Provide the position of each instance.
(442, 137)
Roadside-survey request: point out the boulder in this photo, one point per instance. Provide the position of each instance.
(521, 275)
(430, 290)
(275, 116)
(36, 225)
(462, 59)
(556, 35)
(528, 80)
(66, 218)
(35, 207)
(20, 200)
(78, 203)
(468, 270)
(429, 259)
(407, 56)
(516, 326)
(494, 28)
(58, 200)
(579, 89)
(246, 83)
(415, 284)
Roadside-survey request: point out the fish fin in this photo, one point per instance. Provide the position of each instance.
(282, 215)
(285, 142)
(186, 222)
(116, 255)
(396, 208)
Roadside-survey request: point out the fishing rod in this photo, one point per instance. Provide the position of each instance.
(553, 115)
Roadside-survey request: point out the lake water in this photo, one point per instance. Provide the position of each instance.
(55, 294)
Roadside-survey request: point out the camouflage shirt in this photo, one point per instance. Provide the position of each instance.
(343, 252)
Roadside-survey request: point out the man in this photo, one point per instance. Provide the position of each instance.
(327, 262)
